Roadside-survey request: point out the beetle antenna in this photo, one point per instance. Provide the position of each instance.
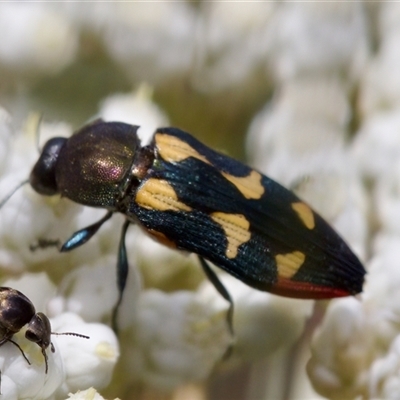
(52, 345)
(71, 334)
(37, 133)
(9, 195)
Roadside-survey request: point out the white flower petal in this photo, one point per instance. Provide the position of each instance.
(262, 323)
(40, 39)
(151, 43)
(179, 338)
(136, 109)
(89, 394)
(87, 362)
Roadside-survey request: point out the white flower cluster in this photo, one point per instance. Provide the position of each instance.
(330, 132)
(355, 351)
(76, 362)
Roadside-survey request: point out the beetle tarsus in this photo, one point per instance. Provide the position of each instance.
(43, 244)
(83, 235)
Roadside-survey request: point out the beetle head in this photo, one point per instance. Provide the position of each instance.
(43, 177)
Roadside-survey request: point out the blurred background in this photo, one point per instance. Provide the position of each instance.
(212, 66)
(309, 93)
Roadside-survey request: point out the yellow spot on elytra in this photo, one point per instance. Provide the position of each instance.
(158, 194)
(250, 186)
(236, 228)
(305, 213)
(288, 264)
(172, 149)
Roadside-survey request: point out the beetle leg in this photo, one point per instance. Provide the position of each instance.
(46, 362)
(83, 235)
(22, 352)
(122, 274)
(44, 244)
(212, 276)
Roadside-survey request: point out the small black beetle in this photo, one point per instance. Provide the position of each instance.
(16, 310)
(192, 198)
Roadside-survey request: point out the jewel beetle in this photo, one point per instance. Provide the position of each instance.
(16, 311)
(189, 197)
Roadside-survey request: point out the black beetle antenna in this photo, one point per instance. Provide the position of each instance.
(65, 333)
(9, 195)
(37, 133)
(70, 334)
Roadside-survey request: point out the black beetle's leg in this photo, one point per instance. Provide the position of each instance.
(22, 352)
(44, 244)
(212, 276)
(122, 274)
(83, 235)
(37, 133)
(46, 360)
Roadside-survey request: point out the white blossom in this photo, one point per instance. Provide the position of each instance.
(91, 292)
(281, 319)
(89, 394)
(179, 338)
(326, 78)
(376, 147)
(315, 38)
(52, 216)
(5, 135)
(39, 39)
(385, 374)
(229, 34)
(381, 82)
(36, 286)
(136, 109)
(87, 362)
(76, 362)
(151, 43)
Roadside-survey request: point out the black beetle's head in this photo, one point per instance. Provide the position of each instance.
(39, 330)
(43, 177)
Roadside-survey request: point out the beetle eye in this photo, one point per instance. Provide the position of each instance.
(42, 178)
(32, 336)
(39, 330)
